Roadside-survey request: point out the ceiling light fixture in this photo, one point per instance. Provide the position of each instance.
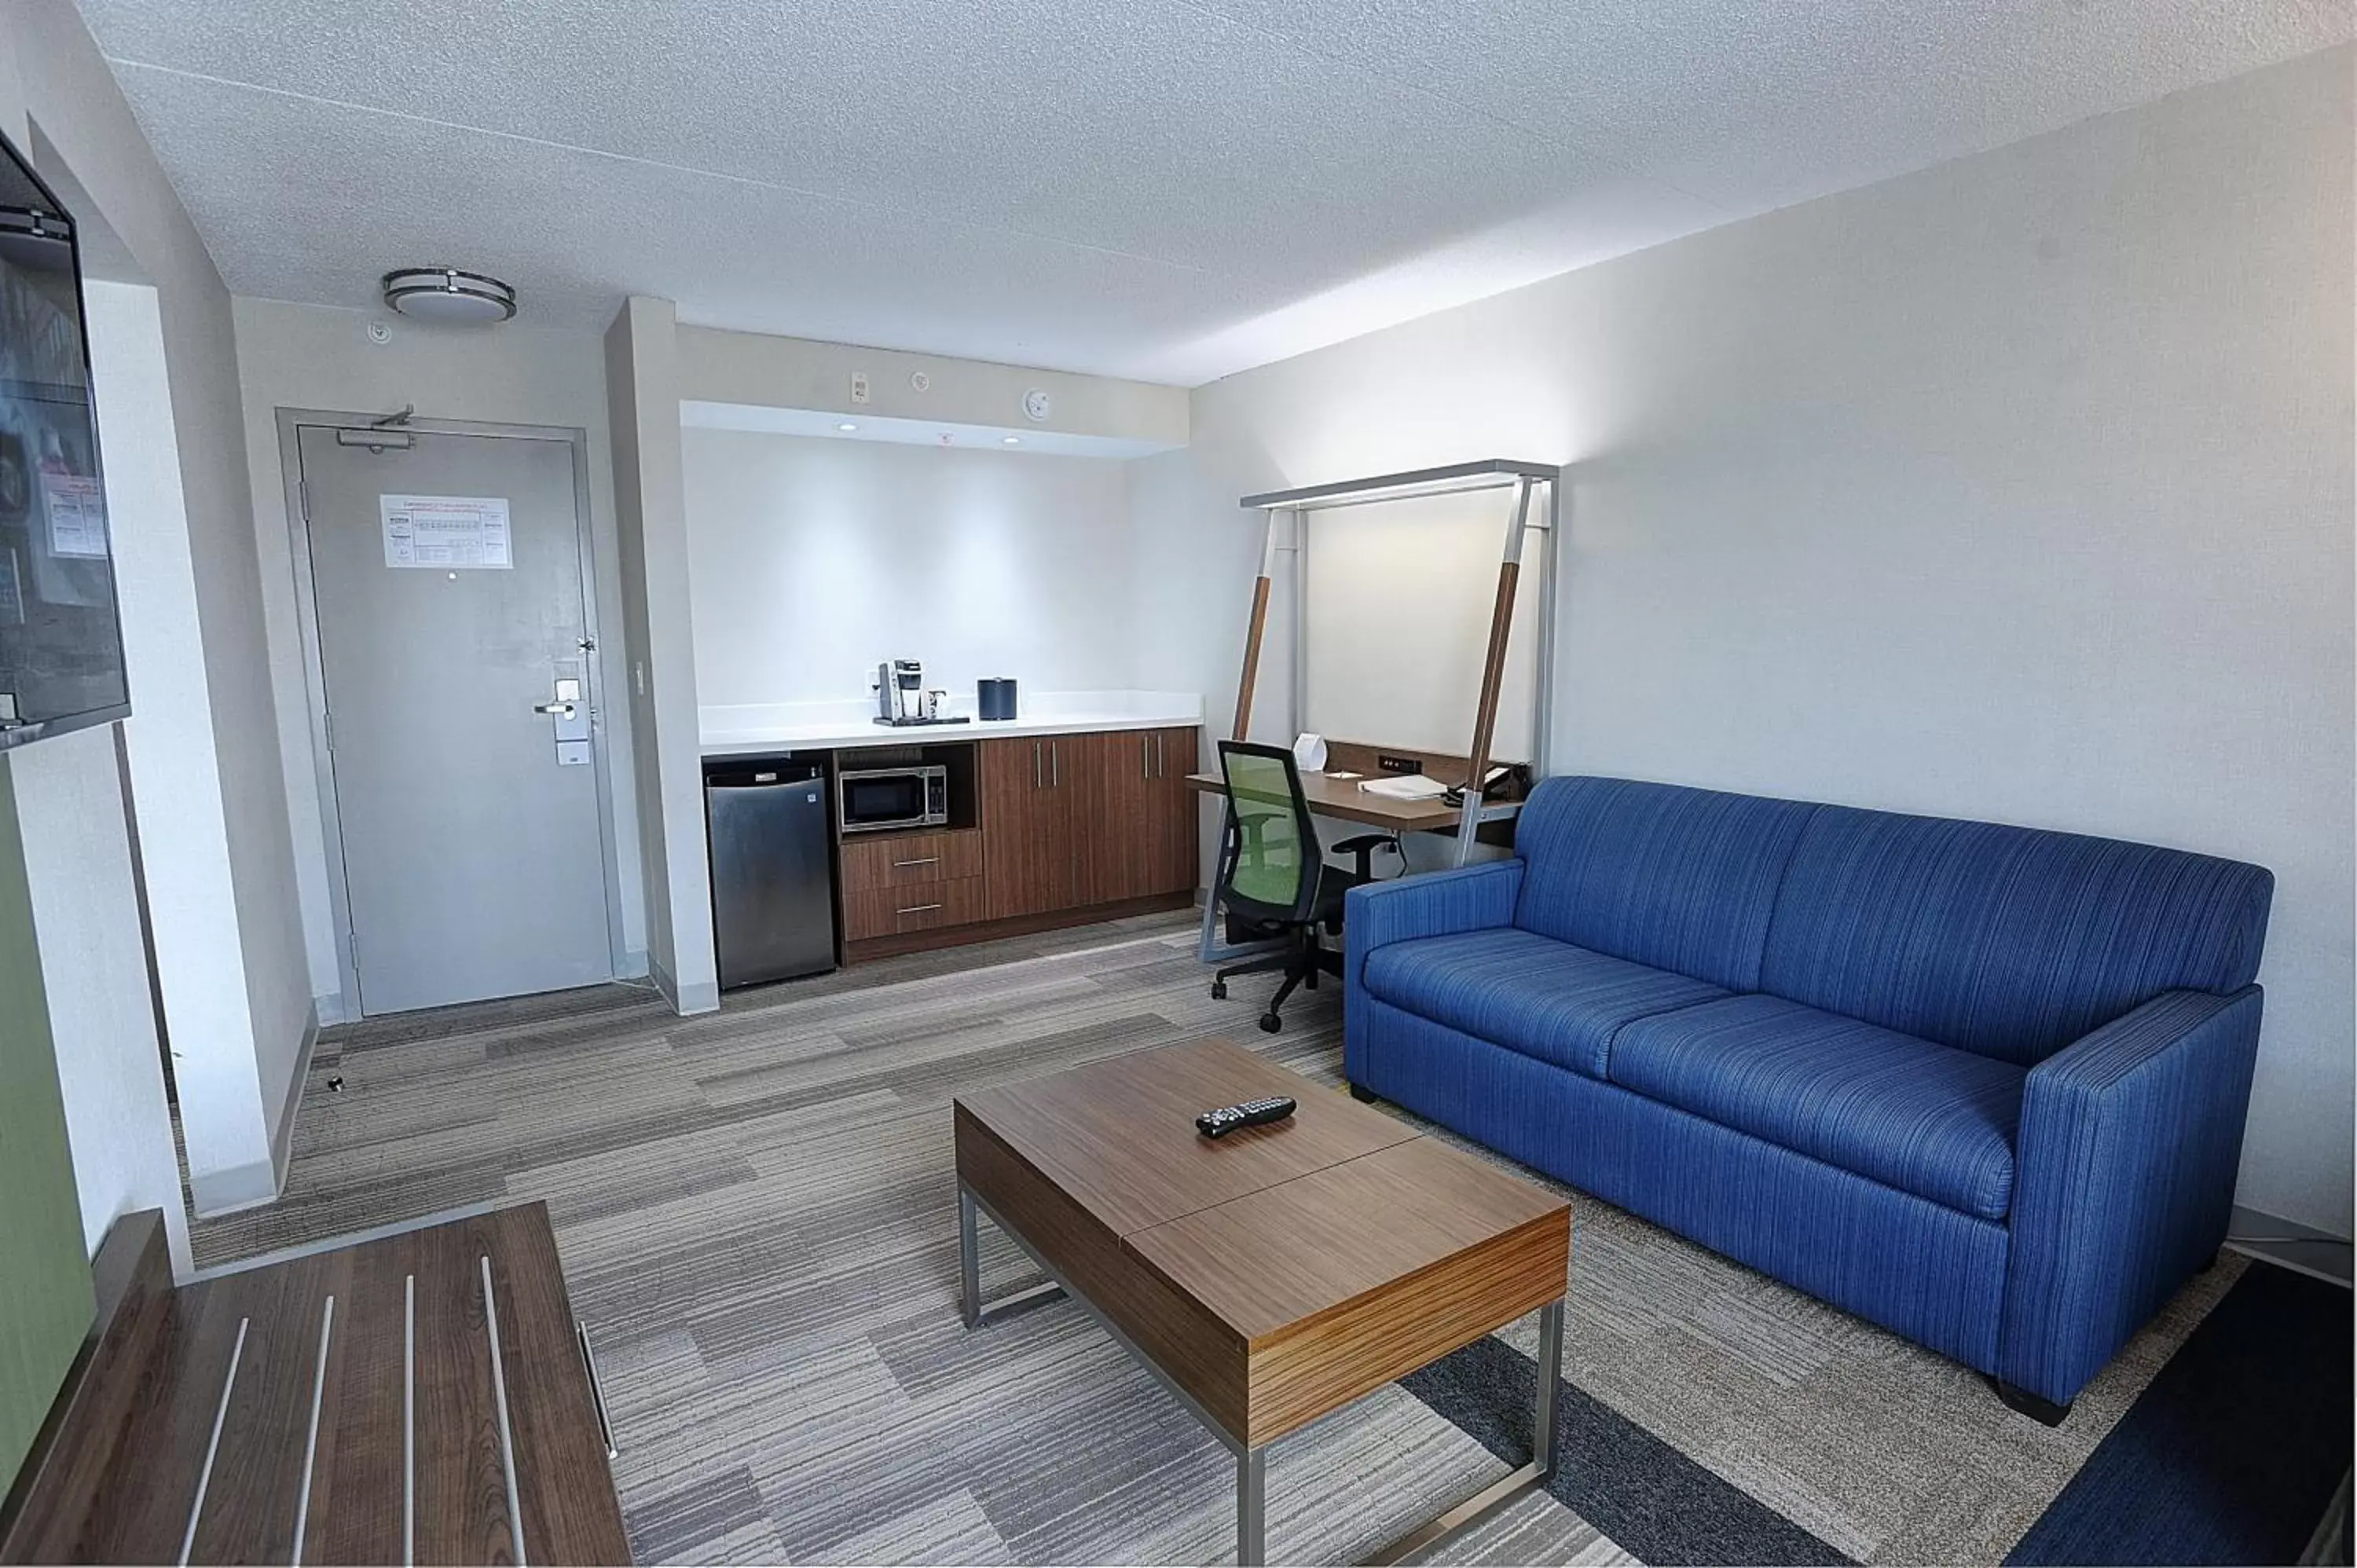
(448, 294)
(1010, 441)
(847, 427)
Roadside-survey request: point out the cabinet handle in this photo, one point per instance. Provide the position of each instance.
(1055, 764)
(921, 910)
(1036, 779)
(928, 860)
(1145, 754)
(1161, 758)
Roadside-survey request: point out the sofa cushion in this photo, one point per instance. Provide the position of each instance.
(1528, 993)
(1675, 878)
(1906, 1113)
(2011, 942)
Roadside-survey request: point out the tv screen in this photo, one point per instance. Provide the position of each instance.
(61, 642)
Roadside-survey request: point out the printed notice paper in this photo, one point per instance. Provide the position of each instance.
(452, 532)
(77, 506)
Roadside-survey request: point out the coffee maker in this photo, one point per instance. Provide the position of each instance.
(900, 692)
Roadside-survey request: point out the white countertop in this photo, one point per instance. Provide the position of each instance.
(752, 730)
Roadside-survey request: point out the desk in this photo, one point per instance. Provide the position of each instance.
(1344, 801)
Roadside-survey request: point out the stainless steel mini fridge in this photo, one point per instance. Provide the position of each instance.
(772, 878)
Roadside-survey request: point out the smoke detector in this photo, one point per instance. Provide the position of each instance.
(448, 294)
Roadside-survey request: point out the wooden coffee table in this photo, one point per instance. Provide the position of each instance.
(1275, 1275)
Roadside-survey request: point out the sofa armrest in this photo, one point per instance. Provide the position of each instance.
(2125, 1162)
(1438, 904)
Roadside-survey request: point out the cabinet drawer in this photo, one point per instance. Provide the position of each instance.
(904, 860)
(920, 906)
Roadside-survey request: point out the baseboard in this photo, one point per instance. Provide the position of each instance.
(282, 1137)
(634, 965)
(700, 998)
(662, 982)
(2303, 1248)
(329, 1010)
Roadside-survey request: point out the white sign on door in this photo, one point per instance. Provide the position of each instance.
(77, 507)
(460, 533)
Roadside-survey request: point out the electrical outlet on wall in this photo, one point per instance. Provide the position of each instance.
(859, 386)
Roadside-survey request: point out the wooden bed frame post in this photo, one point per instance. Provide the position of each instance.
(1493, 669)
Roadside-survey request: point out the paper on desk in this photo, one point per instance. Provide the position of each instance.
(1406, 786)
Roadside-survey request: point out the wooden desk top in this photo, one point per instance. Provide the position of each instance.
(1342, 799)
(1276, 1274)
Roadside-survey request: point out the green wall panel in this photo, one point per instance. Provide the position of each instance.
(45, 1291)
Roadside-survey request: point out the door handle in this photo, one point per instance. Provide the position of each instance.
(555, 709)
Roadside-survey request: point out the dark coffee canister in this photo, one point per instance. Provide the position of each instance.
(995, 699)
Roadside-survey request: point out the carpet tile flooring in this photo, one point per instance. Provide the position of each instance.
(755, 1213)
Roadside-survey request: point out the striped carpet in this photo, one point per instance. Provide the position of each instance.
(755, 1212)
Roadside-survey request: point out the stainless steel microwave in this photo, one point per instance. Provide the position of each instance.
(877, 799)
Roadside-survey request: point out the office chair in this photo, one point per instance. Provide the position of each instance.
(1274, 879)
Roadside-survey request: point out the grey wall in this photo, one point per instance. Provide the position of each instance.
(310, 357)
(2018, 488)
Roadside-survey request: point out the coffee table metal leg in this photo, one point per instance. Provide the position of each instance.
(1542, 1418)
(971, 1306)
(1521, 1478)
(1252, 1507)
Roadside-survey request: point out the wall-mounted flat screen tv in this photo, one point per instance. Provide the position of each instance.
(60, 642)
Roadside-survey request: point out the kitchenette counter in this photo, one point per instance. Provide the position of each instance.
(753, 731)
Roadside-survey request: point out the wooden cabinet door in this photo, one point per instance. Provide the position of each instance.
(1120, 809)
(1032, 860)
(1175, 814)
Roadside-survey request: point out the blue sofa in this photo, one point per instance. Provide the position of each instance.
(1983, 1085)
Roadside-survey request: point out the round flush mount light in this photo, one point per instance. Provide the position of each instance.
(1010, 441)
(847, 427)
(447, 295)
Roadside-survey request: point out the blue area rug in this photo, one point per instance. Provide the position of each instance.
(2233, 1452)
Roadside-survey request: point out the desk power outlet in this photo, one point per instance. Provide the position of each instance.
(1390, 764)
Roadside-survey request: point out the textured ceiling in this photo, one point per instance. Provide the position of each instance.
(1170, 189)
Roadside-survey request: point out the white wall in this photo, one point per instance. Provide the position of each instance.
(80, 117)
(642, 385)
(811, 561)
(311, 357)
(2018, 487)
(73, 99)
(95, 972)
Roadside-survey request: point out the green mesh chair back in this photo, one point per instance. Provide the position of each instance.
(1270, 862)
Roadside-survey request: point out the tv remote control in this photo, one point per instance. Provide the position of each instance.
(1251, 1113)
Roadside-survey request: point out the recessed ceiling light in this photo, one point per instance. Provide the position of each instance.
(847, 427)
(1010, 440)
(448, 294)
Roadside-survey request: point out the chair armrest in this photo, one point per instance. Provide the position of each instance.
(1363, 846)
(2125, 1161)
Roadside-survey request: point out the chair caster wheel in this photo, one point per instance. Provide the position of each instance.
(1270, 1022)
(1219, 991)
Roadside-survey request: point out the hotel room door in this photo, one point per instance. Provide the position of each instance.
(454, 648)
